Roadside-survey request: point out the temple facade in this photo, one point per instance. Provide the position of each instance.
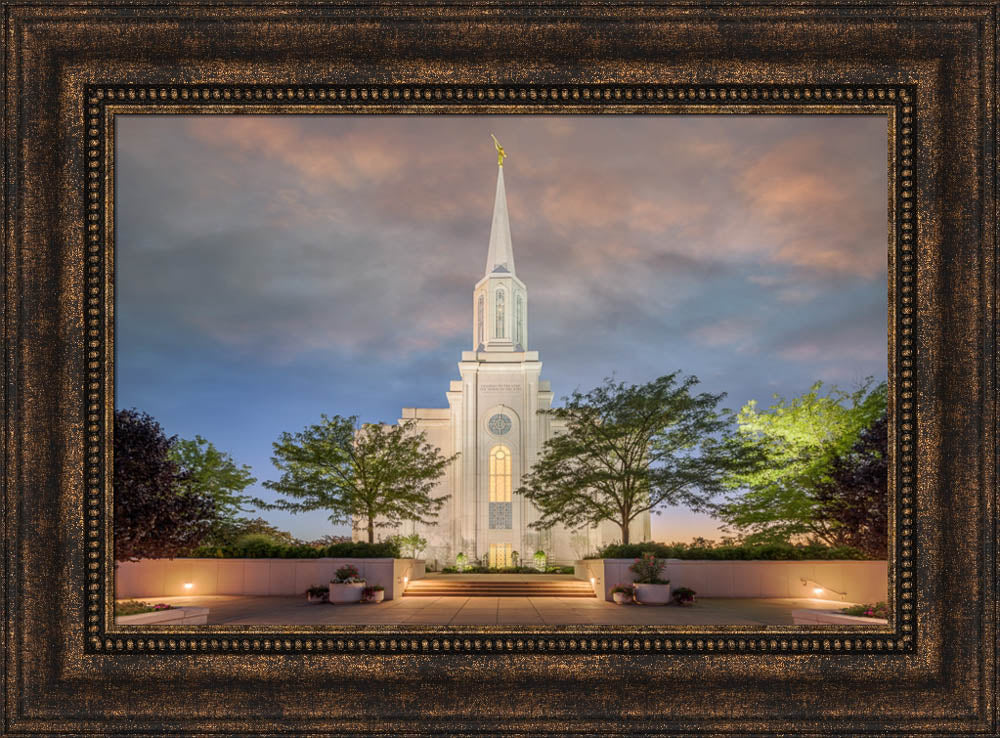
(493, 422)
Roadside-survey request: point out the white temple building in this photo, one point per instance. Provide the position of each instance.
(493, 422)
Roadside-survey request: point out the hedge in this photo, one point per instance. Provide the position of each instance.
(269, 550)
(729, 552)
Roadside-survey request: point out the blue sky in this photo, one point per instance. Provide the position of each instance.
(272, 268)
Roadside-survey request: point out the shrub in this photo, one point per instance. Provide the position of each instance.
(683, 596)
(460, 562)
(255, 541)
(647, 569)
(540, 559)
(364, 550)
(317, 590)
(261, 546)
(630, 591)
(876, 610)
(729, 551)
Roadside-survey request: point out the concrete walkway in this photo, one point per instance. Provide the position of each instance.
(243, 610)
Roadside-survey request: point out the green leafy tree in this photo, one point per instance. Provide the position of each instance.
(412, 544)
(155, 514)
(627, 449)
(370, 475)
(213, 473)
(799, 438)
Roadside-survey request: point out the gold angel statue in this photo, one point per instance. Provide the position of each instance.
(501, 154)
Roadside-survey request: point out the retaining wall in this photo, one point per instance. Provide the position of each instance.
(860, 581)
(167, 577)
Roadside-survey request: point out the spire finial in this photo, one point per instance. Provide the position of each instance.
(501, 154)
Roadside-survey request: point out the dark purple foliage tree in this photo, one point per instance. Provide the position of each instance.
(854, 502)
(154, 516)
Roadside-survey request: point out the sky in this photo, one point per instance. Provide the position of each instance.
(273, 268)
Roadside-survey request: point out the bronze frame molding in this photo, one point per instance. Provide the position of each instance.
(104, 103)
(69, 68)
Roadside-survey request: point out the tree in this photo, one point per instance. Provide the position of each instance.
(372, 473)
(855, 500)
(213, 473)
(799, 439)
(413, 543)
(627, 449)
(155, 516)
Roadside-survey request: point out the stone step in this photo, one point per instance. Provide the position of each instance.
(499, 593)
(471, 588)
(422, 588)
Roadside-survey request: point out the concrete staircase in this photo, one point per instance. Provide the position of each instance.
(484, 587)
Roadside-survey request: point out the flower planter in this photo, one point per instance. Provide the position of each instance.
(377, 596)
(341, 594)
(652, 594)
(316, 599)
(621, 598)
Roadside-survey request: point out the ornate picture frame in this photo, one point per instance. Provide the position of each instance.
(69, 69)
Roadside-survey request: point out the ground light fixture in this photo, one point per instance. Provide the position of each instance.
(819, 589)
(188, 585)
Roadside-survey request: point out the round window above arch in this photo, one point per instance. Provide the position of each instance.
(499, 424)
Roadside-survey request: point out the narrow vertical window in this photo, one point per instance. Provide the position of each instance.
(479, 324)
(500, 485)
(519, 324)
(500, 315)
(500, 488)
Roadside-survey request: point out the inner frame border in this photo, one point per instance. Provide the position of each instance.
(103, 102)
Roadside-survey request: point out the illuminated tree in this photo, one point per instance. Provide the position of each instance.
(800, 438)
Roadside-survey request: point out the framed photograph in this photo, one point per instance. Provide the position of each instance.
(448, 369)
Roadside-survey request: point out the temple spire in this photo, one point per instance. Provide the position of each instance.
(501, 254)
(500, 299)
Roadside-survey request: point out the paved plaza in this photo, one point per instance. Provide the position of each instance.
(248, 610)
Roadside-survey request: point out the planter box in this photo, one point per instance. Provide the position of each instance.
(173, 616)
(377, 596)
(621, 598)
(832, 617)
(652, 594)
(341, 594)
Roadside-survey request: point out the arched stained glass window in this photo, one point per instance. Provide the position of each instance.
(479, 324)
(500, 315)
(500, 474)
(519, 324)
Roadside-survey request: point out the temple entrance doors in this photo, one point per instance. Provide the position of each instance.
(500, 555)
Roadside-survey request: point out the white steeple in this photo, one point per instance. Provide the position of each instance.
(500, 300)
(500, 257)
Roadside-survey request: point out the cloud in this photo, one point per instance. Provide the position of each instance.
(734, 333)
(362, 237)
